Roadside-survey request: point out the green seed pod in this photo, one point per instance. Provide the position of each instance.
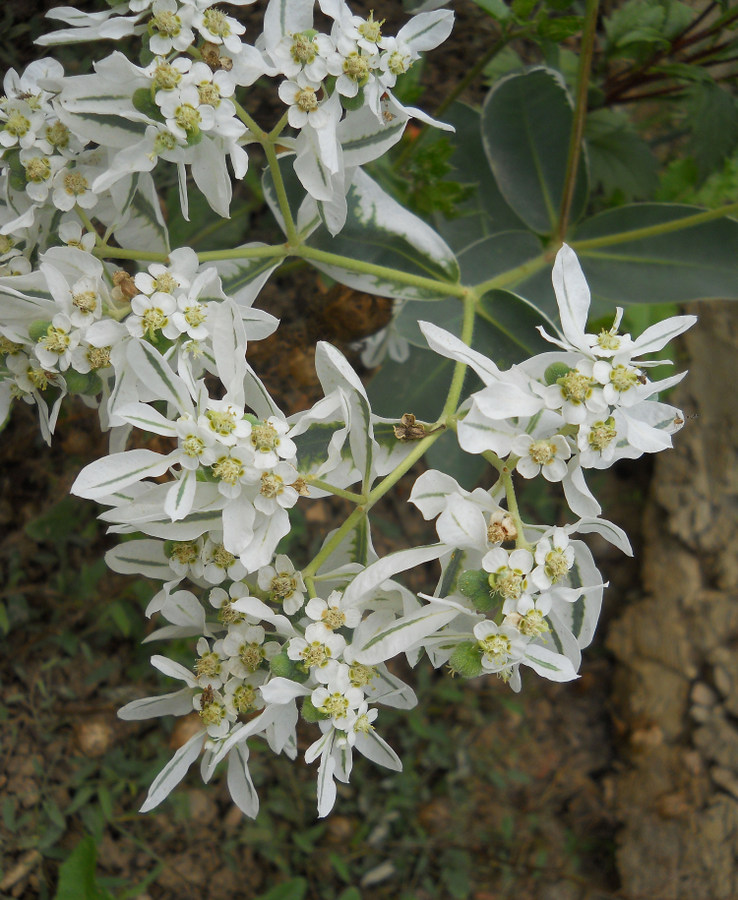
(475, 584)
(39, 329)
(352, 103)
(284, 667)
(79, 383)
(466, 660)
(145, 103)
(555, 371)
(310, 713)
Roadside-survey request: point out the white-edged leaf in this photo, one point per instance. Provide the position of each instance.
(383, 569)
(403, 633)
(174, 771)
(375, 748)
(145, 558)
(178, 703)
(111, 473)
(380, 231)
(240, 786)
(155, 372)
(181, 495)
(174, 670)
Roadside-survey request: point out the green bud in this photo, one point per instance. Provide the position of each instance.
(352, 103)
(144, 103)
(283, 667)
(555, 371)
(474, 584)
(310, 713)
(466, 660)
(39, 329)
(250, 417)
(78, 383)
(169, 548)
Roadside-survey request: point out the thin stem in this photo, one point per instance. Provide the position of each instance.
(279, 127)
(580, 114)
(86, 221)
(637, 234)
(284, 206)
(332, 489)
(273, 250)
(513, 276)
(106, 252)
(467, 331)
(317, 561)
(444, 288)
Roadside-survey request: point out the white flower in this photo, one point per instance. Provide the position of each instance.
(541, 455)
(332, 613)
(169, 28)
(554, 556)
(284, 583)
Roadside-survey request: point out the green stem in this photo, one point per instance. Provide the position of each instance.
(513, 276)
(444, 288)
(332, 489)
(580, 114)
(467, 331)
(284, 206)
(86, 221)
(637, 234)
(106, 252)
(275, 250)
(278, 128)
(376, 494)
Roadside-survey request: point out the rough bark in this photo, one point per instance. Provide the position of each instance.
(676, 684)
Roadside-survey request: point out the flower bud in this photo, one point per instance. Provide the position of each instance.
(466, 660)
(555, 371)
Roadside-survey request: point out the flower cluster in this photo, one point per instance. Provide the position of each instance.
(204, 468)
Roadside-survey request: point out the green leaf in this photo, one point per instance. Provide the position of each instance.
(498, 9)
(559, 28)
(485, 212)
(77, 875)
(636, 21)
(713, 122)
(381, 232)
(526, 121)
(294, 889)
(696, 263)
(620, 162)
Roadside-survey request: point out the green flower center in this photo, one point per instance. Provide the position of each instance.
(303, 49)
(335, 705)
(245, 698)
(228, 469)
(575, 387)
(193, 446)
(99, 357)
(55, 340)
(622, 378)
(496, 647)
(221, 421)
(166, 23)
(542, 452)
(251, 656)
(602, 434)
(221, 557)
(216, 22)
(555, 565)
(85, 301)
(17, 124)
(166, 77)
(75, 184)
(208, 665)
(306, 99)
(37, 169)
(264, 438)
(356, 67)
(58, 135)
